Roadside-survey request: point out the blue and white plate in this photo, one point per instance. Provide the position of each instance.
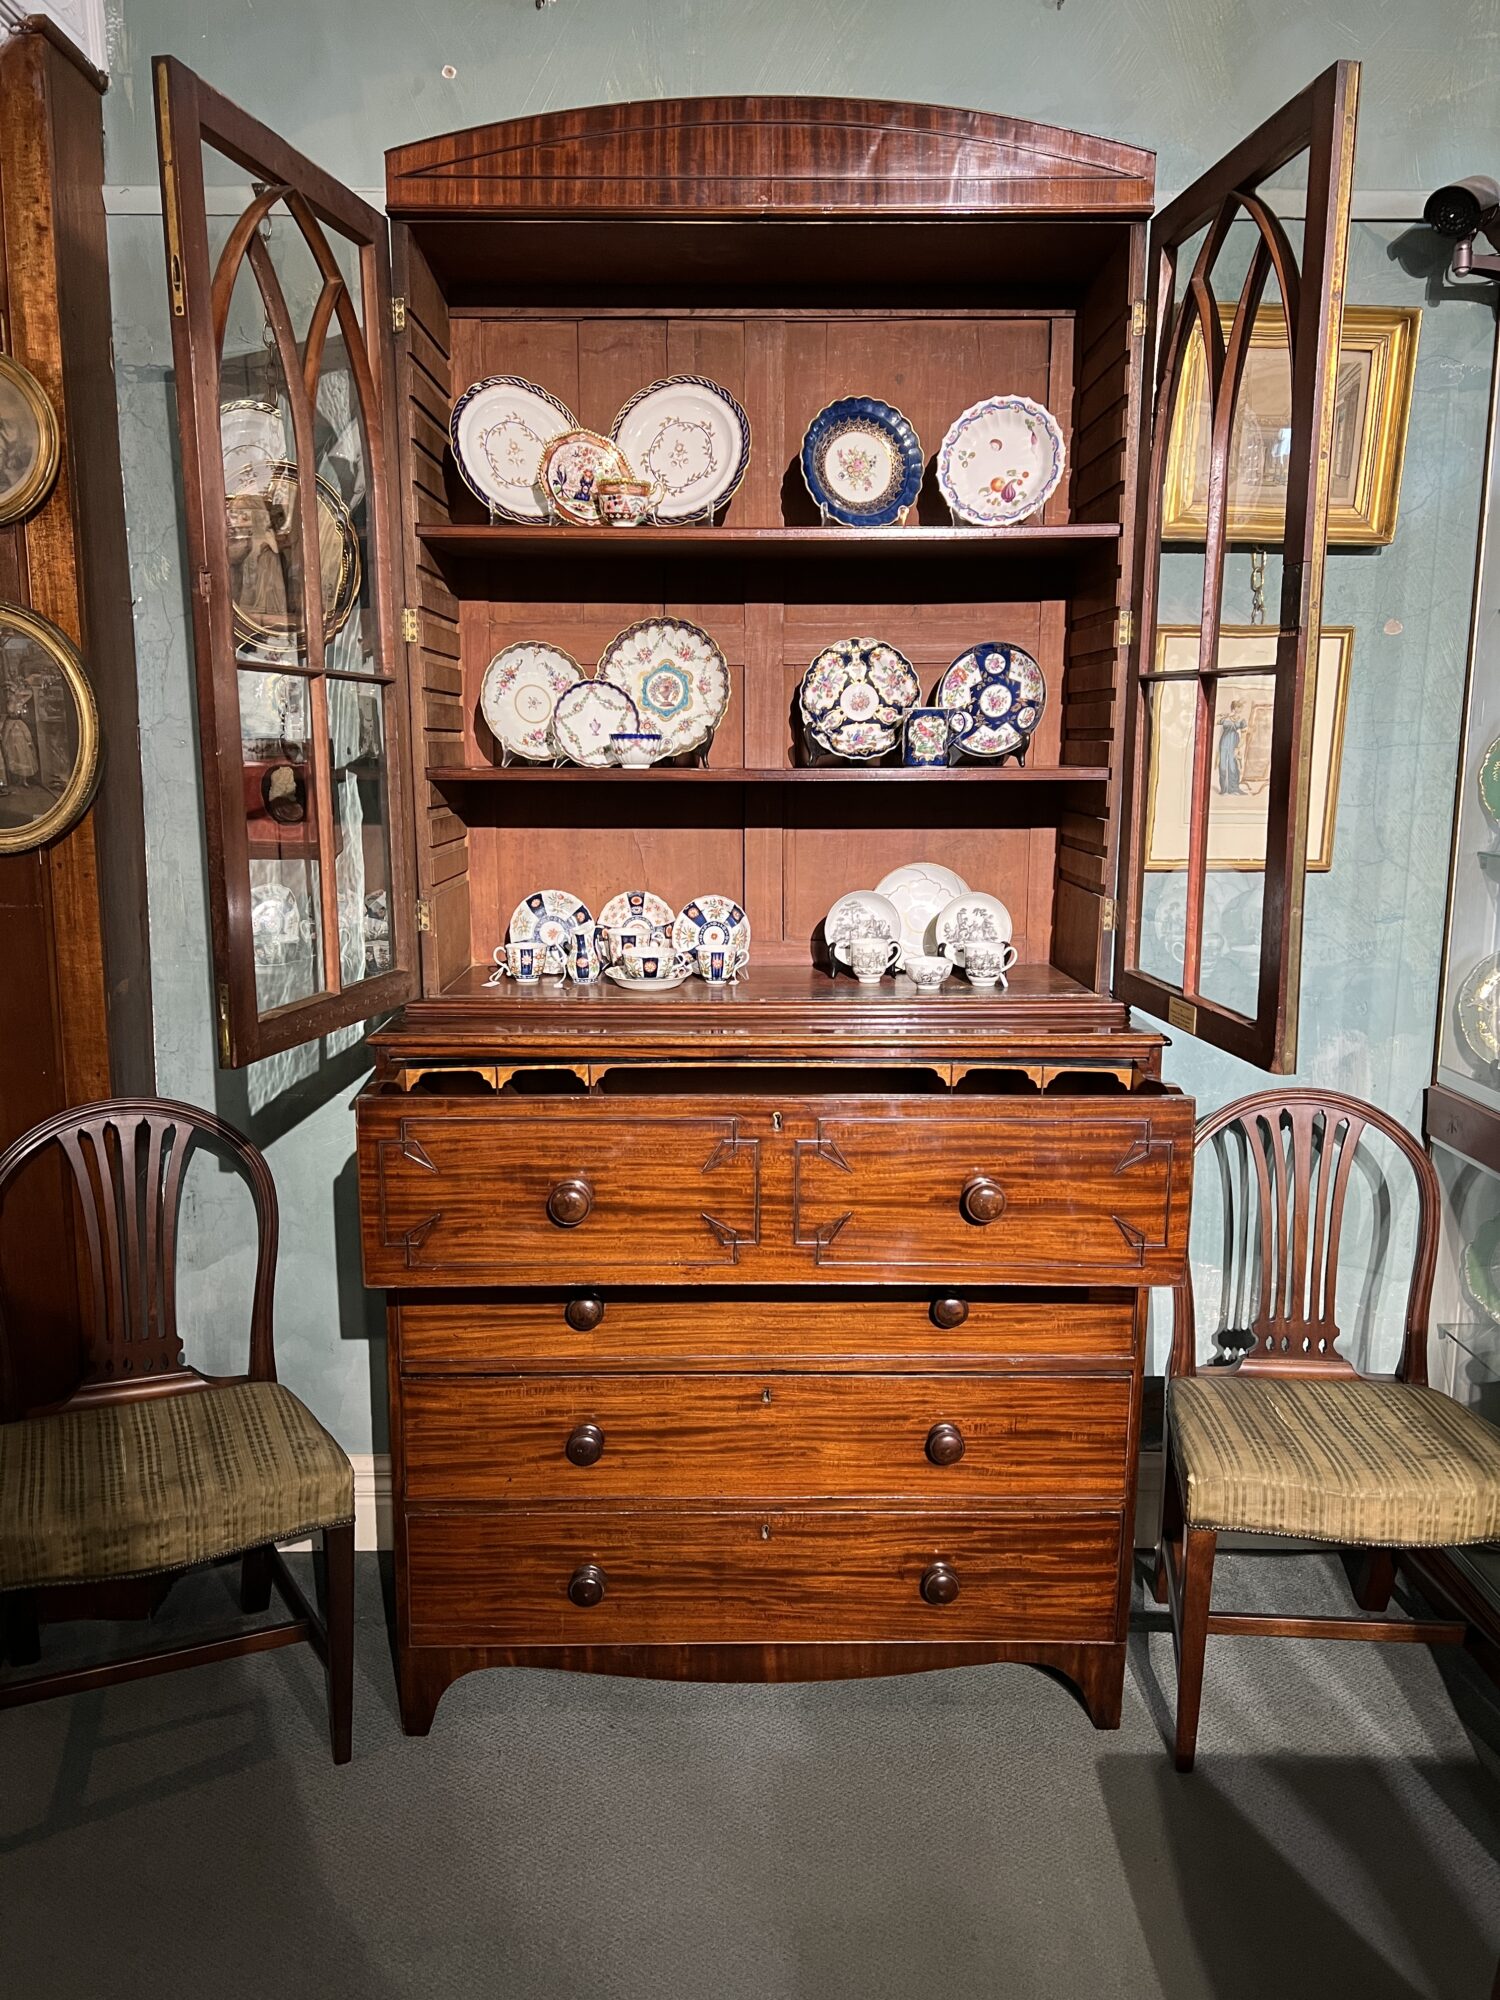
(997, 693)
(554, 919)
(855, 697)
(500, 427)
(716, 921)
(691, 439)
(862, 462)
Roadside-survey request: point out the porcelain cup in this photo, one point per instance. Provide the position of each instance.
(869, 959)
(524, 962)
(635, 933)
(927, 970)
(718, 964)
(649, 962)
(927, 737)
(624, 503)
(636, 749)
(986, 964)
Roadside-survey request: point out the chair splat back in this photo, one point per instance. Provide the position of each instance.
(1286, 1161)
(128, 1159)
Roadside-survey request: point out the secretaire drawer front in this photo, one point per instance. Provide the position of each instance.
(715, 1437)
(999, 1191)
(566, 1577)
(538, 1193)
(941, 1327)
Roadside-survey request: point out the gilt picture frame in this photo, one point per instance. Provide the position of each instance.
(30, 446)
(49, 732)
(1237, 817)
(1372, 408)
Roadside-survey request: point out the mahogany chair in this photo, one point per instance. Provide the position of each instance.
(1280, 1434)
(150, 1467)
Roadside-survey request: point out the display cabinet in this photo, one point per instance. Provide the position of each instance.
(793, 1327)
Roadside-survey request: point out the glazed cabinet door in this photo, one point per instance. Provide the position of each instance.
(278, 281)
(1245, 302)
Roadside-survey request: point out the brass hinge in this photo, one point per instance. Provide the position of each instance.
(398, 314)
(424, 914)
(1107, 912)
(1138, 319)
(411, 631)
(1124, 628)
(225, 1051)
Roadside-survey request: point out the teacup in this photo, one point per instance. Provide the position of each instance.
(524, 962)
(987, 963)
(927, 970)
(636, 748)
(927, 737)
(649, 962)
(869, 959)
(637, 932)
(624, 503)
(718, 964)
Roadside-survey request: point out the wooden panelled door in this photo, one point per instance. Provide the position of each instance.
(280, 302)
(1219, 728)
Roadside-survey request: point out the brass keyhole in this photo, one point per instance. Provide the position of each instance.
(775, 1121)
(765, 1395)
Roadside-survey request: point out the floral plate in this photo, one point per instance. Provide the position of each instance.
(553, 918)
(664, 984)
(1000, 461)
(861, 914)
(641, 908)
(519, 692)
(717, 921)
(500, 427)
(997, 693)
(691, 439)
(676, 677)
(585, 718)
(855, 696)
(572, 466)
(862, 462)
(919, 891)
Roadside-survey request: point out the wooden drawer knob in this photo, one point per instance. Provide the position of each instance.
(584, 1314)
(569, 1203)
(948, 1313)
(945, 1444)
(586, 1585)
(982, 1200)
(585, 1445)
(939, 1584)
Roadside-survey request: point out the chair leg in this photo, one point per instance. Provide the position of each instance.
(1196, 1588)
(255, 1579)
(338, 1614)
(1171, 1524)
(20, 1636)
(1378, 1580)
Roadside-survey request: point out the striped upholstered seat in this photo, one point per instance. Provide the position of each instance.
(159, 1483)
(1383, 1464)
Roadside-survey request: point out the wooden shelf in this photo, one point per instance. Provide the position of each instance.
(729, 774)
(491, 542)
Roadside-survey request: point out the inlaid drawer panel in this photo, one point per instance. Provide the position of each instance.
(561, 1576)
(948, 1328)
(729, 1437)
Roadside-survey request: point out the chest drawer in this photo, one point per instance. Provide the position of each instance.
(731, 1437)
(958, 1328)
(666, 1576)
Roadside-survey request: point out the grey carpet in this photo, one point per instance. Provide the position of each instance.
(964, 1833)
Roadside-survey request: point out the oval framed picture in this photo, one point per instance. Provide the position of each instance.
(28, 442)
(49, 731)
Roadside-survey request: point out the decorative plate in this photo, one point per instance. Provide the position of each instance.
(519, 692)
(572, 465)
(675, 675)
(1489, 781)
(855, 696)
(860, 914)
(265, 563)
(862, 462)
(997, 691)
(691, 439)
(553, 918)
(1000, 461)
(919, 891)
(500, 427)
(1481, 1268)
(972, 918)
(585, 718)
(638, 906)
(1479, 1011)
(711, 920)
(663, 985)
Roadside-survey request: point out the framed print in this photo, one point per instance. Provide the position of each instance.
(49, 732)
(28, 442)
(1240, 763)
(1372, 402)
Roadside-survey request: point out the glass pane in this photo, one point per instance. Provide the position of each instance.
(361, 813)
(1238, 795)
(280, 808)
(1171, 712)
(353, 631)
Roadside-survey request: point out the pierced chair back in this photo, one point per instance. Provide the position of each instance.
(128, 1159)
(1286, 1159)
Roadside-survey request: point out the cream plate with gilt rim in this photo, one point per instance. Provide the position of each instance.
(675, 675)
(919, 891)
(587, 716)
(861, 914)
(971, 918)
(499, 429)
(716, 921)
(552, 918)
(519, 692)
(856, 695)
(691, 439)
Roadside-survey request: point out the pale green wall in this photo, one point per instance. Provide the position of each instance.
(344, 80)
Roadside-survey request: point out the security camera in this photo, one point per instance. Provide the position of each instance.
(1460, 212)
